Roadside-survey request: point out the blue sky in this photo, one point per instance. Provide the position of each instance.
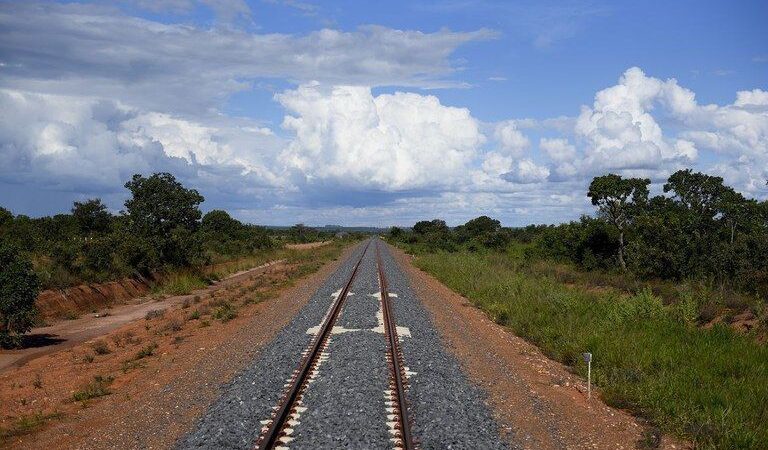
(379, 113)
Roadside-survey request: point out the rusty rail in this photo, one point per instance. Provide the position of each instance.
(397, 369)
(272, 437)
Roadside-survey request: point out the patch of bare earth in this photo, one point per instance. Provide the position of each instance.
(159, 373)
(538, 402)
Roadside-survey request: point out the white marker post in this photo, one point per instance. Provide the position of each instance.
(588, 359)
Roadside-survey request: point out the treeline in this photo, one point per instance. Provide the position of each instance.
(161, 229)
(698, 229)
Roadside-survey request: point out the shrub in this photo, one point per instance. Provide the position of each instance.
(155, 314)
(147, 351)
(96, 388)
(19, 287)
(100, 347)
(225, 312)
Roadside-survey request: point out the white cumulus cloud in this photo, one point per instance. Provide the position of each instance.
(346, 136)
(511, 140)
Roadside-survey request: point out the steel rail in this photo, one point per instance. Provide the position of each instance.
(271, 438)
(398, 370)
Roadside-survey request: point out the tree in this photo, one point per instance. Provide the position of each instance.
(481, 225)
(159, 204)
(395, 232)
(166, 213)
(698, 192)
(619, 200)
(19, 287)
(221, 223)
(5, 216)
(430, 226)
(91, 216)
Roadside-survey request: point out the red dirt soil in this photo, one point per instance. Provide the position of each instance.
(156, 398)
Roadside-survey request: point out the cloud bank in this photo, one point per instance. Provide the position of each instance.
(91, 95)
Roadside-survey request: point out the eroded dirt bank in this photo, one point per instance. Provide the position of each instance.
(68, 333)
(54, 304)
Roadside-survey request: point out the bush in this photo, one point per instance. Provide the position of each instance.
(19, 287)
(225, 312)
(99, 387)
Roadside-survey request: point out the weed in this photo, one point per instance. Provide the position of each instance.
(225, 312)
(181, 283)
(38, 381)
(124, 338)
(71, 315)
(27, 424)
(88, 358)
(205, 323)
(131, 365)
(194, 315)
(147, 351)
(98, 387)
(173, 326)
(100, 347)
(155, 314)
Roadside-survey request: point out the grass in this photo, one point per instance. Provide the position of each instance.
(225, 312)
(27, 424)
(98, 387)
(100, 347)
(708, 386)
(180, 282)
(146, 352)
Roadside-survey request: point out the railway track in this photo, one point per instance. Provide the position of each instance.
(277, 431)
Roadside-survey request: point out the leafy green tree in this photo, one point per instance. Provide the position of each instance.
(6, 217)
(481, 225)
(619, 200)
(19, 287)
(431, 226)
(221, 223)
(91, 216)
(166, 213)
(696, 191)
(395, 232)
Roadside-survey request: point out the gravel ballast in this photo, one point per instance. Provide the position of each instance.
(345, 404)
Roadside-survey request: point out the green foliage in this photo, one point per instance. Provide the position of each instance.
(436, 226)
(91, 216)
(709, 386)
(99, 387)
(19, 287)
(166, 213)
(225, 312)
(700, 229)
(161, 231)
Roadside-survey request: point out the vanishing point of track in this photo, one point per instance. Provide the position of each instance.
(275, 434)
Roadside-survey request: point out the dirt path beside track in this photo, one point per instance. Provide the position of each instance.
(68, 333)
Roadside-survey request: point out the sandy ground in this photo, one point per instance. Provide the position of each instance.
(538, 401)
(66, 334)
(156, 398)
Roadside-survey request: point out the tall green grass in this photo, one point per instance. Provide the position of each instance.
(708, 386)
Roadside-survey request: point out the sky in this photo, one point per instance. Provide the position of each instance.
(378, 113)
